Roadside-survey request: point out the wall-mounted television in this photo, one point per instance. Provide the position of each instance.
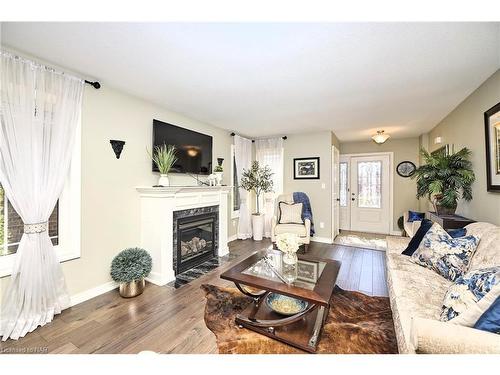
(194, 150)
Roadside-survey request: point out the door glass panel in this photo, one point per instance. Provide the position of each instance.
(370, 184)
(343, 184)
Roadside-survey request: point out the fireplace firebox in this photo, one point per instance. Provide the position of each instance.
(195, 239)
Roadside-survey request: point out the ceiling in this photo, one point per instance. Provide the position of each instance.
(276, 79)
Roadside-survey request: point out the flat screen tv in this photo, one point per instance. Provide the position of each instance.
(194, 150)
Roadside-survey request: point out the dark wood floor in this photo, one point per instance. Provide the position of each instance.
(168, 320)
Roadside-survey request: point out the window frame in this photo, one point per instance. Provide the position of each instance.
(235, 214)
(69, 216)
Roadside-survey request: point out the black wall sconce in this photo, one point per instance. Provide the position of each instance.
(117, 147)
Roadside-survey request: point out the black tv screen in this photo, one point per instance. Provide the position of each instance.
(194, 150)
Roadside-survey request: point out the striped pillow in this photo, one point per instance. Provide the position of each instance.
(290, 213)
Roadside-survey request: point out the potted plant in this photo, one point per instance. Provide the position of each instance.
(444, 179)
(257, 179)
(218, 172)
(164, 157)
(129, 268)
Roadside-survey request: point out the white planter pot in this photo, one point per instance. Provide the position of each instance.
(163, 180)
(219, 177)
(258, 227)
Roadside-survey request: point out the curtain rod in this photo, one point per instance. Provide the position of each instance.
(94, 84)
(253, 140)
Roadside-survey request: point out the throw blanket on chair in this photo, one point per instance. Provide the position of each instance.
(299, 197)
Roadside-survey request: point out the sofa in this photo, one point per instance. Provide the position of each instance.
(416, 296)
(301, 230)
(410, 228)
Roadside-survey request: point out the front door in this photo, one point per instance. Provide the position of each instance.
(370, 193)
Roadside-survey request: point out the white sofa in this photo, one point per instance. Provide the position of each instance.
(416, 294)
(410, 228)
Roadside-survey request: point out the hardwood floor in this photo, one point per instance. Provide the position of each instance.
(168, 320)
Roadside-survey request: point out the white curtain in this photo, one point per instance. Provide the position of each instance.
(243, 156)
(39, 113)
(270, 152)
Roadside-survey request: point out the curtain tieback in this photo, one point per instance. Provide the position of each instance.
(36, 228)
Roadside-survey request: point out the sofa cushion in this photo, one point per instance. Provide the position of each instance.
(290, 213)
(298, 229)
(415, 216)
(488, 251)
(468, 290)
(490, 320)
(417, 238)
(449, 257)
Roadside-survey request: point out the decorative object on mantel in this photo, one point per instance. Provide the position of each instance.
(492, 131)
(117, 147)
(444, 179)
(129, 268)
(164, 157)
(257, 179)
(306, 168)
(218, 171)
(380, 137)
(406, 168)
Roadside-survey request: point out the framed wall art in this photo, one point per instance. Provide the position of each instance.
(492, 132)
(306, 168)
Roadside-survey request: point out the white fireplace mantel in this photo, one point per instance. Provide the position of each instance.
(157, 207)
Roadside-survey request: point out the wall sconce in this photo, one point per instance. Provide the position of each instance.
(117, 147)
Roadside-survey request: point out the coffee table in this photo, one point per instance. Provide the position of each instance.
(314, 283)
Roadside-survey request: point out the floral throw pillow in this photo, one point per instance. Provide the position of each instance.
(447, 256)
(469, 290)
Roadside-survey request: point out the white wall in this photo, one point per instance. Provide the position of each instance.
(110, 204)
(464, 127)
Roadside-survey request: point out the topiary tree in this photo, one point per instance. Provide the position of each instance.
(131, 265)
(444, 179)
(257, 179)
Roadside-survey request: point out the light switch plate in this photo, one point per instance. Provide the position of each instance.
(323, 186)
(321, 225)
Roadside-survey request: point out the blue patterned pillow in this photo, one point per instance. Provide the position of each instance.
(490, 320)
(448, 256)
(415, 216)
(468, 290)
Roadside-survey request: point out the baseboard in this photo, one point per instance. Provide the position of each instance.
(234, 237)
(321, 239)
(93, 292)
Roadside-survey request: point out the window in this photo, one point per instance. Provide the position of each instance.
(12, 226)
(235, 193)
(370, 184)
(343, 184)
(64, 223)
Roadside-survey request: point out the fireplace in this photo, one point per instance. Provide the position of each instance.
(195, 237)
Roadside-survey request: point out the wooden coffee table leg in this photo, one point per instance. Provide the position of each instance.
(318, 325)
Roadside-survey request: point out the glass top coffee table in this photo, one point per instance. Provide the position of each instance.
(264, 274)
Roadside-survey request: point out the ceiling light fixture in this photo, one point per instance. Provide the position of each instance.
(380, 137)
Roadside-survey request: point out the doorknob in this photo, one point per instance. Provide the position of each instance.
(353, 199)
(338, 199)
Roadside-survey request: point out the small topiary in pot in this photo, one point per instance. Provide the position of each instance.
(129, 268)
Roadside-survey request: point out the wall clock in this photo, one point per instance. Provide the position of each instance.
(406, 168)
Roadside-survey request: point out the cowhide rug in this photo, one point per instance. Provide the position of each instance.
(356, 324)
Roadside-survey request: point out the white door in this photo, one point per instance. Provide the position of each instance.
(344, 200)
(370, 193)
(335, 192)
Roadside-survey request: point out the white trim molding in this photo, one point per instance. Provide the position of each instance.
(93, 292)
(321, 239)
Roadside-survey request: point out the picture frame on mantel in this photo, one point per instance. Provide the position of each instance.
(306, 168)
(492, 133)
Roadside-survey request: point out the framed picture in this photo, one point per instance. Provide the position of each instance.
(306, 169)
(307, 271)
(492, 132)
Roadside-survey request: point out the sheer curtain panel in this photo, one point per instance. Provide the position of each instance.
(243, 157)
(39, 113)
(270, 152)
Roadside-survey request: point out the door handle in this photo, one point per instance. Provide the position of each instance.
(353, 199)
(338, 199)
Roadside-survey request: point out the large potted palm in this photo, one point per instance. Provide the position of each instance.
(444, 179)
(257, 179)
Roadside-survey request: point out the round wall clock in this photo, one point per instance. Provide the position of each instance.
(406, 168)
